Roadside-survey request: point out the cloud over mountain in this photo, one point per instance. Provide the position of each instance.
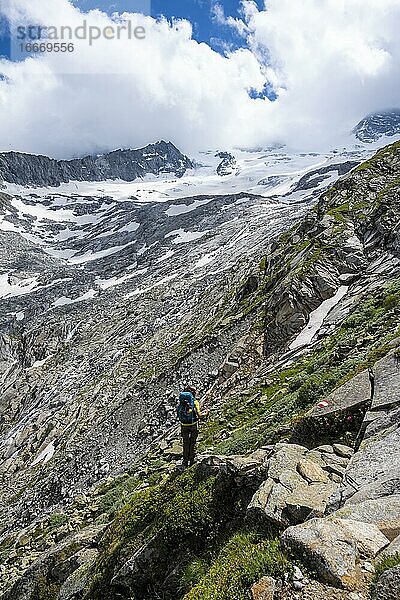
(330, 62)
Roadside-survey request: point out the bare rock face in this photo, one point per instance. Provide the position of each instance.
(333, 547)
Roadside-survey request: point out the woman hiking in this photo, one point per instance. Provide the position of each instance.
(189, 414)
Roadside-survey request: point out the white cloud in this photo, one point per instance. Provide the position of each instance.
(218, 14)
(331, 62)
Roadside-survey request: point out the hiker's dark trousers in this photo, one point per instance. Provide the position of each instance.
(189, 434)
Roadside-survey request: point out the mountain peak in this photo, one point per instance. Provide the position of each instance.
(126, 164)
(375, 125)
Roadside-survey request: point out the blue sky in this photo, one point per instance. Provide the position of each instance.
(198, 12)
(325, 63)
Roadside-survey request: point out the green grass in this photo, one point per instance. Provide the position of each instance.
(179, 518)
(112, 497)
(244, 560)
(57, 520)
(386, 563)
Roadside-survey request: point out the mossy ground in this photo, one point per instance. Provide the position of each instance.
(179, 519)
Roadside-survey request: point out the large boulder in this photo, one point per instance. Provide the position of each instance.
(382, 512)
(347, 405)
(333, 547)
(285, 457)
(387, 382)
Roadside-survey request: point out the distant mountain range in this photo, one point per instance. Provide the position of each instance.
(128, 165)
(154, 159)
(374, 126)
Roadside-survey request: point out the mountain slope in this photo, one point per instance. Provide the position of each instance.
(264, 343)
(277, 323)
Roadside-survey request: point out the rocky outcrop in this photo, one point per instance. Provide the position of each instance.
(384, 512)
(228, 164)
(335, 548)
(128, 165)
(56, 565)
(299, 483)
(372, 477)
(343, 239)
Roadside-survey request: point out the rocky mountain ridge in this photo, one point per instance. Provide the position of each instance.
(127, 165)
(378, 124)
(283, 347)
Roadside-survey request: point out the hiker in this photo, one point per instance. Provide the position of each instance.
(189, 414)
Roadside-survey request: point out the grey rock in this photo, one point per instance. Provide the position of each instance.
(356, 391)
(296, 488)
(392, 549)
(326, 449)
(373, 472)
(388, 585)
(28, 169)
(376, 422)
(309, 499)
(333, 546)
(383, 512)
(286, 457)
(387, 383)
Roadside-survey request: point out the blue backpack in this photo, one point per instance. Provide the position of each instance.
(186, 411)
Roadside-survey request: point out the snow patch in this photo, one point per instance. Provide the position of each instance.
(40, 363)
(64, 300)
(105, 284)
(45, 455)
(9, 290)
(90, 255)
(317, 318)
(182, 237)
